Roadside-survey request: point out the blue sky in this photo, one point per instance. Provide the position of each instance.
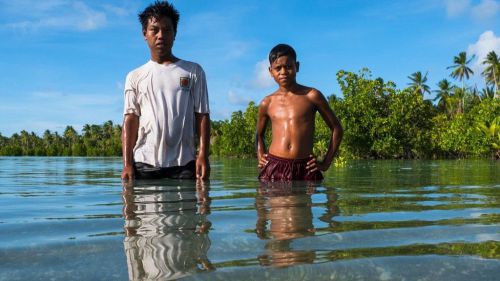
(64, 62)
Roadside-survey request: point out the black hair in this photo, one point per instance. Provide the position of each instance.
(281, 50)
(158, 10)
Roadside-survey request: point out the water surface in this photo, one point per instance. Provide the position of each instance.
(71, 219)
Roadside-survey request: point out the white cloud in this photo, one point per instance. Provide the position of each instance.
(486, 43)
(72, 15)
(484, 10)
(54, 100)
(237, 99)
(120, 11)
(91, 19)
(456, 8)
(487, 9)
(262, 78)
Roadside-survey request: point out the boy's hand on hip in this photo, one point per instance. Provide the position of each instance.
(314, 165)
(262, 161)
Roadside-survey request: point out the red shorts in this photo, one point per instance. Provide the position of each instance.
(282, 169)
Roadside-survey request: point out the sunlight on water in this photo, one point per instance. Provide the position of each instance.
(71, 219)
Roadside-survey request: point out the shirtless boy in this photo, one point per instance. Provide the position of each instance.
(291, 110)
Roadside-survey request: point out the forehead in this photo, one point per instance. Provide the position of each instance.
(163, 21)
(283, 60)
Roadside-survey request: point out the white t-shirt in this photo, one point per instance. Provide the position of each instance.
(165, 97)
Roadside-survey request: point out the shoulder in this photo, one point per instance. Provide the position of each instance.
(314, 95)
(312, 92)
(269, 98)
(190, 66)
(266, 101)
(139, 71)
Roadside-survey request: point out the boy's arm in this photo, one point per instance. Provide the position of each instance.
(129, 138)
(334, 124)
(262, 119)
(203, 132)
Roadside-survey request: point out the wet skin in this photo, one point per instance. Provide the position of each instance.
(291, 110)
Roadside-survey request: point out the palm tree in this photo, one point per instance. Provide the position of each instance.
(461, 70)
(417, 83)
(459, 96)
(487, 93)
(492, 71)
(444, 92)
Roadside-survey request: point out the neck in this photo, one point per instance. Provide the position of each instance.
(164, 58)
(292, 87)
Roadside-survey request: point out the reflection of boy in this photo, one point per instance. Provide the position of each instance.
(291, 110)
(166, 101)
(166, 231)
(287, 208)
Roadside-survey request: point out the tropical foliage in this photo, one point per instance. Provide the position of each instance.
(96, 140)
(379, 120)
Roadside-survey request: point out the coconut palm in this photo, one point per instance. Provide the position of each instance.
(461, 70)
(492, 71)
(417, 83)
(487, 93)
(455, 102)
(444, 92)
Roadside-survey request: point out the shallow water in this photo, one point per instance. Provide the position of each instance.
(71, 219)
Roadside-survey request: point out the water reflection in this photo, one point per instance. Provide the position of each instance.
(284, 214)
(166, 227)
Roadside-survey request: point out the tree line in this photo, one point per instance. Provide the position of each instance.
(95, 140)
(380, 121)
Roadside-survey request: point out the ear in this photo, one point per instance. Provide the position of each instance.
(270, 72)
(297, 64)
(144, 33)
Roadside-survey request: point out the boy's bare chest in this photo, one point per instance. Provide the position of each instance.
(297, 108)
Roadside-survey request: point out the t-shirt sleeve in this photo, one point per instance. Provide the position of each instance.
(131, 105)
(200, 92)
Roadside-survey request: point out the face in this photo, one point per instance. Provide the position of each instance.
(283, 70)
(160, 36)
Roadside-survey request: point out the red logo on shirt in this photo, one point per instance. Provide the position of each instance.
(184, 82)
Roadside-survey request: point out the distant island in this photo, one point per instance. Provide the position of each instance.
(380, 122)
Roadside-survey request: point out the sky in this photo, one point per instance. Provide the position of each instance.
(64, 62)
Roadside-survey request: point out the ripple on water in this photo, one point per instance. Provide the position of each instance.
(371, 220)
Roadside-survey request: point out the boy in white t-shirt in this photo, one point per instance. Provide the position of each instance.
(166, 107)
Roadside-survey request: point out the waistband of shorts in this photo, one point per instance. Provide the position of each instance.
(295, 160)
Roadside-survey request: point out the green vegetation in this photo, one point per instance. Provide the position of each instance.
(383, 122)
(380, 121)
(104, 140)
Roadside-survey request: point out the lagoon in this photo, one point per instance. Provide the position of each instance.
(71, 219)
